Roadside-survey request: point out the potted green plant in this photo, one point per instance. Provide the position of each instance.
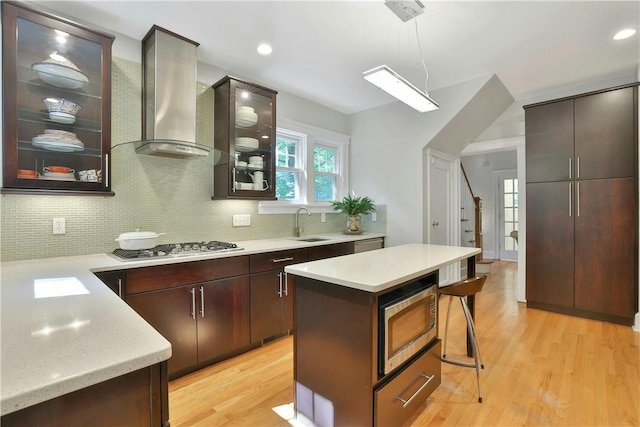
(354, 206)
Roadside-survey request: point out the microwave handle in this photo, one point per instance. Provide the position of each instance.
(406, 402)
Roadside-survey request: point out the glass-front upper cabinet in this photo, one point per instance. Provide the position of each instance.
(245, 133)
(56, 104)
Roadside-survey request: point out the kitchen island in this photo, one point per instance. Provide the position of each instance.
(338, 377)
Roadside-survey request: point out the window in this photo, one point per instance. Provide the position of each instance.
(311, 168)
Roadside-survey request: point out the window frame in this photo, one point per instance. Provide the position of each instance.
(312, 136)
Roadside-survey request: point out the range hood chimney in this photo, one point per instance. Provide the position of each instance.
(169, 67)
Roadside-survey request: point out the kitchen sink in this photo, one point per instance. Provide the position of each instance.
(310, 239)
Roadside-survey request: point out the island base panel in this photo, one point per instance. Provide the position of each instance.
(334, 350)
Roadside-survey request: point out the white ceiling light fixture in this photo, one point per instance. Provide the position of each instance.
(264, 49)
(393, 83)
(624, 34)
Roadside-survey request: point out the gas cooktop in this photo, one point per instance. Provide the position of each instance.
(172, 250)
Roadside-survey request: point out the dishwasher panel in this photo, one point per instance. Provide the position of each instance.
(368, 245)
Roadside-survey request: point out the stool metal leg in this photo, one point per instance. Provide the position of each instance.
(446, 329)
(474, 343)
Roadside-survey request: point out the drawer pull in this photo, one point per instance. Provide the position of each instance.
(406, 402)
(289, 258)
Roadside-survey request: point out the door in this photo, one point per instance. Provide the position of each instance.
(172, 312)
(223, 317)
(549, 141)
(442, 201)
(605, 246)
(266, 305)
(550, 247)
(604, 133)
(507, 215)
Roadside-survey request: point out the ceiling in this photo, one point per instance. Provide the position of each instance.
(321, 48)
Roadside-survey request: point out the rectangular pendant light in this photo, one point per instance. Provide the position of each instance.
(394, 84)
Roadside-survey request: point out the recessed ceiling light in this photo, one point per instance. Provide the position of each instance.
(624, 34)
(264, 49)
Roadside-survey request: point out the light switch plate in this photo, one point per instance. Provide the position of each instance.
(242, 220)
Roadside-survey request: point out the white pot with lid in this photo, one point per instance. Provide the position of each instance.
(136, 240)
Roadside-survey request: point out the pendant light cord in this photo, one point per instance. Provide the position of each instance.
(421, 57)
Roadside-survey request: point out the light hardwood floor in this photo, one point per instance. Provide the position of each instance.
(541, 369)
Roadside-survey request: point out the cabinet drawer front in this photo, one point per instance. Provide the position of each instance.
(276, 260)
(397, 400)
(167, 276)
(328, 251)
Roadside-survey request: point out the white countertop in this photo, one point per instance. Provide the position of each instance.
(381, 269)
(53, 345)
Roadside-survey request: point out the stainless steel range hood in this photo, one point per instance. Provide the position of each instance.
(169, 67)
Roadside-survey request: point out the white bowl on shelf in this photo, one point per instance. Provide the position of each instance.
(60, 72)
(247, 144)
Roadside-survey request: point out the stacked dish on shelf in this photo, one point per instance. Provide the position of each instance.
(58, 173)
(246, 117)
(247, 144)
(60, 72)
(58, 140)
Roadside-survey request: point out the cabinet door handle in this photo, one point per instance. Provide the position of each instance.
(106, 170)
(202, 301)
(120, 287)
(577, 167)
(193, 303)
(578, 198)
(290, 258)
(233, 175)
(279, 292)
(569, 167)
(570, 197)
(406, 402)
(286, 284)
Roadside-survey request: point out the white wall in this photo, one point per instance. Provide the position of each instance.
(386, 156)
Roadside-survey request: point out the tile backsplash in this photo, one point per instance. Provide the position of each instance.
(171, 196)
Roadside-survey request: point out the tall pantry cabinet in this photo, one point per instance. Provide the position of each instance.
(582, 198)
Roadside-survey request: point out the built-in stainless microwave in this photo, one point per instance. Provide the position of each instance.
(408, 321)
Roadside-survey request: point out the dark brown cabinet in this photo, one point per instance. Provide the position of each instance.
(202, 322)
(587, 137)
(272, 292)
(200, 307)
(139, 398)
(171, 313)
(605, 247)
(330, 251)
(245, 134)
(115, 280)
(56, 104)
(582, 220)
(550, 250)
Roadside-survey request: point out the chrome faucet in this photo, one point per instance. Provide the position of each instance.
(297, 230)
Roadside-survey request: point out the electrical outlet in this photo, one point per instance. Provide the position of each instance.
(374, 217)
(323, 217)
(243, 220)
(59, 226)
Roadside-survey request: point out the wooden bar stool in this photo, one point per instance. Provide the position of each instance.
(462, 290)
